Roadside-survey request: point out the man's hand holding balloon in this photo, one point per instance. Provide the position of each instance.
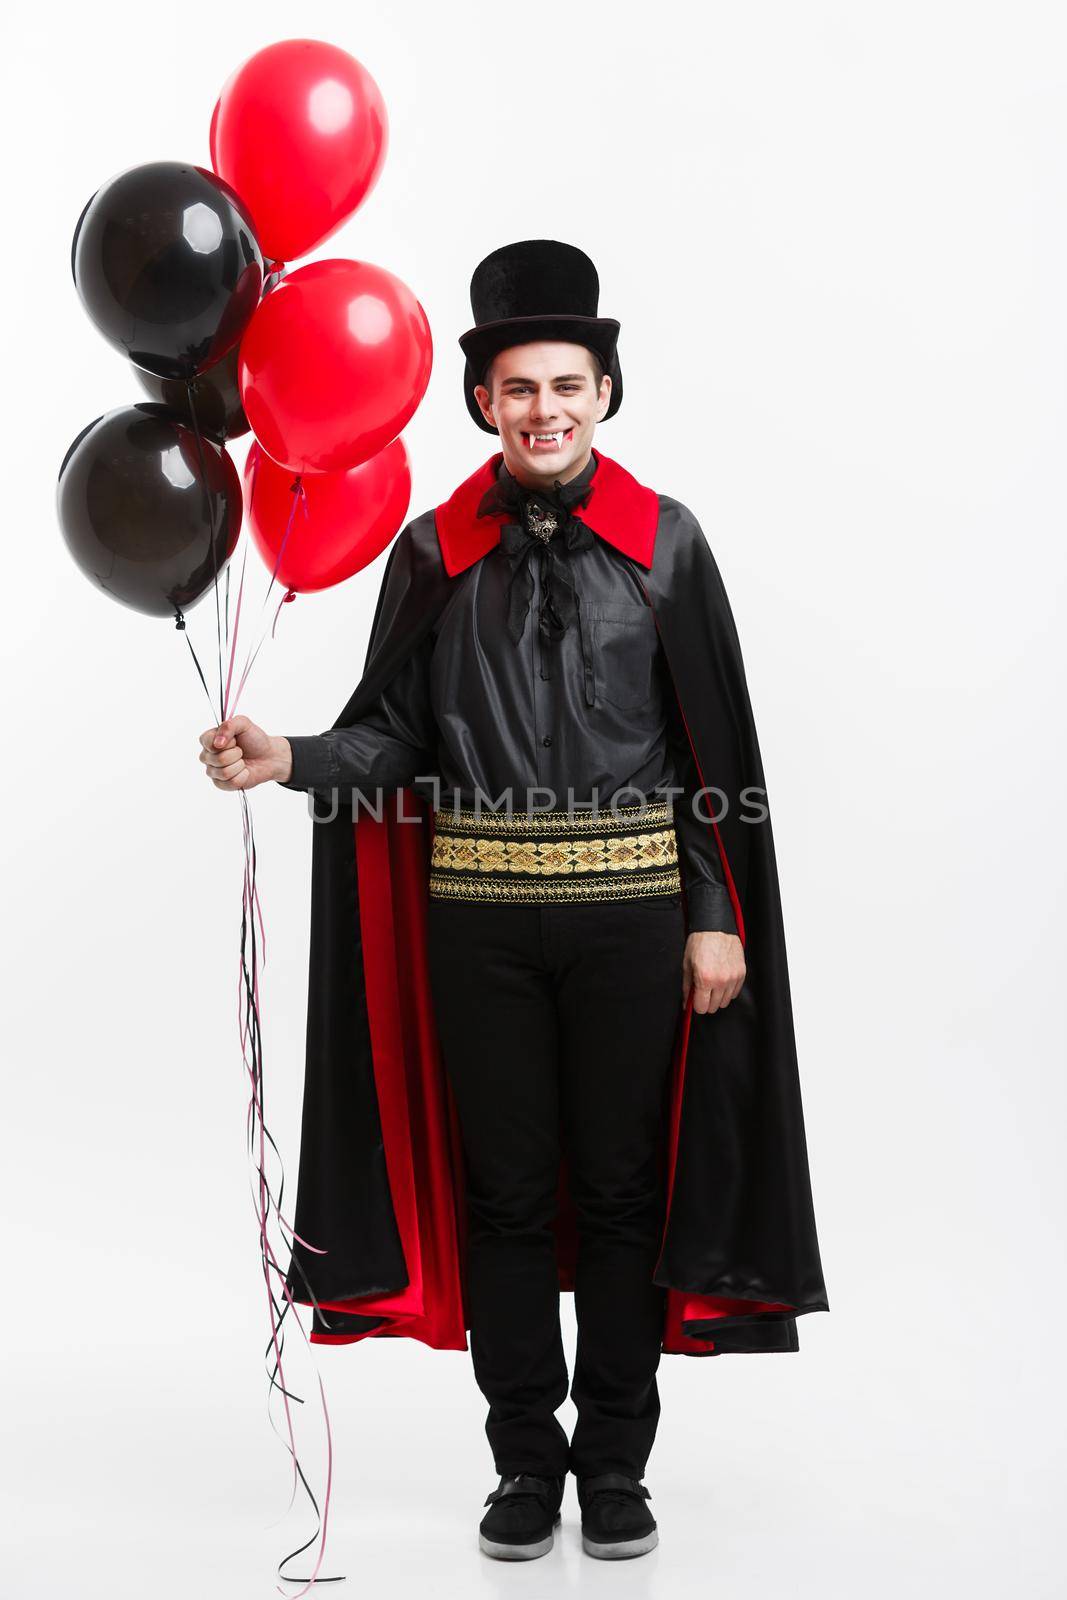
(239, 755)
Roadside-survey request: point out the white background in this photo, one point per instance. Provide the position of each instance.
(834, 236)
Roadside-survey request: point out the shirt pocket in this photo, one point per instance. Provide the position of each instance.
(625, 643)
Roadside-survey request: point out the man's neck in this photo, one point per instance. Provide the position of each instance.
(543, 485)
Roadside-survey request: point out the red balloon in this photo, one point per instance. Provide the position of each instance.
(333, 364)
(344, 521)
(300, 131)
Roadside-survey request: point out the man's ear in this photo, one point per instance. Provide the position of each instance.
(485, 405)
(604, 398)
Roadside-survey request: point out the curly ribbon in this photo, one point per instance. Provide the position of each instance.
(252, 958)
(249, 1025)
(299, 494)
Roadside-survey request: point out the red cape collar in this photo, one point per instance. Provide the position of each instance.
(619, 509)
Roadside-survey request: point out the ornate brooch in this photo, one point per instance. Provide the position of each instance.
(542, 524)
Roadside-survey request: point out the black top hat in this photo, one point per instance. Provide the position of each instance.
(536, 289)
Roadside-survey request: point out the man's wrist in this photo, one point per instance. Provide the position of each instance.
(283, 758)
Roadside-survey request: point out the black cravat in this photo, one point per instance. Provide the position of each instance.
(546, 527)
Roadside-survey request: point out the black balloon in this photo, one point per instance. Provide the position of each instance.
(148, 513)
(167, 265)
(216, 393)
(74, 241)
(216, 397)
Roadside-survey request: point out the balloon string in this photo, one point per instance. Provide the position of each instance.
(246, 1028)
(236, 625)
(249, 1019)
(277, 614)
(299, 498)
(240, 593)
(270, 1261)
(210, 519)
(299, 494)
(244, 677)
(249, 1027)
(179, 623)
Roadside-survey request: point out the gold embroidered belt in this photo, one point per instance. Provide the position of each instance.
(552, 856)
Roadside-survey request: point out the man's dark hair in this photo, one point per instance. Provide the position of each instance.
(599, 370)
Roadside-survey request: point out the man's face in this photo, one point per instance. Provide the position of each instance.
(544, 389)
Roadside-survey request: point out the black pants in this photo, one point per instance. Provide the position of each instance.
(556, 1022)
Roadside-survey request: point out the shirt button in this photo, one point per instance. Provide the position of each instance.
(547, 740)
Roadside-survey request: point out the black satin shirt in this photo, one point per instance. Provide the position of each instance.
(543, 676)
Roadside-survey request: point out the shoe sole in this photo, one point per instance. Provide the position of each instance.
(518, 1552)
(622, 1547)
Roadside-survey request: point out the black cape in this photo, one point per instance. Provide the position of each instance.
(380, 1214)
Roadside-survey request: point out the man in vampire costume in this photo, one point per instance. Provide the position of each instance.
(549, 1036)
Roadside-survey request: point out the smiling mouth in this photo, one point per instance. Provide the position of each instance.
(548, 441)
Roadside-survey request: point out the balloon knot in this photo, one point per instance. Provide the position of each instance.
(290, 596)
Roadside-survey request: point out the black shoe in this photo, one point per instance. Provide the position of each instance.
(615, 1520)
(523, 1512)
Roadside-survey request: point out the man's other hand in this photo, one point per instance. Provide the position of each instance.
(239, 755)
(713, 966)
